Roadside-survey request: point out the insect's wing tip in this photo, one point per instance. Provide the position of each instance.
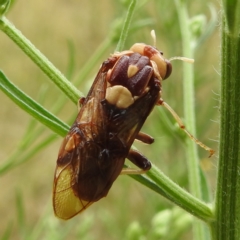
(66, 203)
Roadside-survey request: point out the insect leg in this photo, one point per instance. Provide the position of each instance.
(181, 125)
(145, 138)
(139, 160)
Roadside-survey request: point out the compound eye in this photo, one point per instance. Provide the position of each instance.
(168, 69)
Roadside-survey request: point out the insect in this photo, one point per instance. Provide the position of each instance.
(91, 157)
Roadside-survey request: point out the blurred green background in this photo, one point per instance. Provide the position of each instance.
(129, 211)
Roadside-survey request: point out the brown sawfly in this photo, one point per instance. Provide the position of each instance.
(126, 89)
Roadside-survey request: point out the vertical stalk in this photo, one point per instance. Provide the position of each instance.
(189, 113)
(126, 26)
(227, 207)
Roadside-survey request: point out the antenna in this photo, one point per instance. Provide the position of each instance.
(153, 35)
(184, 59)
(188, 60)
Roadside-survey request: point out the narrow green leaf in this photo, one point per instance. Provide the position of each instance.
(164, 186)
(126, 26)
(40, 60)
(32, 107)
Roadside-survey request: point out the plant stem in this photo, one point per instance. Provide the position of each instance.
(126, 26)
(227, 225)
(189, 113)
(179, 196)
(93, 60)
(32, 107)
(39, 59)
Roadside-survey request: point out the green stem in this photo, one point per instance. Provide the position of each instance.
(160, 183)
(126, 26)
(19, 157)
(179, 196)
(188, 101)
(40, 60)
(93, 60)
(227, 225)
(32, 107)
(189, 113)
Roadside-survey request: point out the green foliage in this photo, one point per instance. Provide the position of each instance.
(130, 211)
